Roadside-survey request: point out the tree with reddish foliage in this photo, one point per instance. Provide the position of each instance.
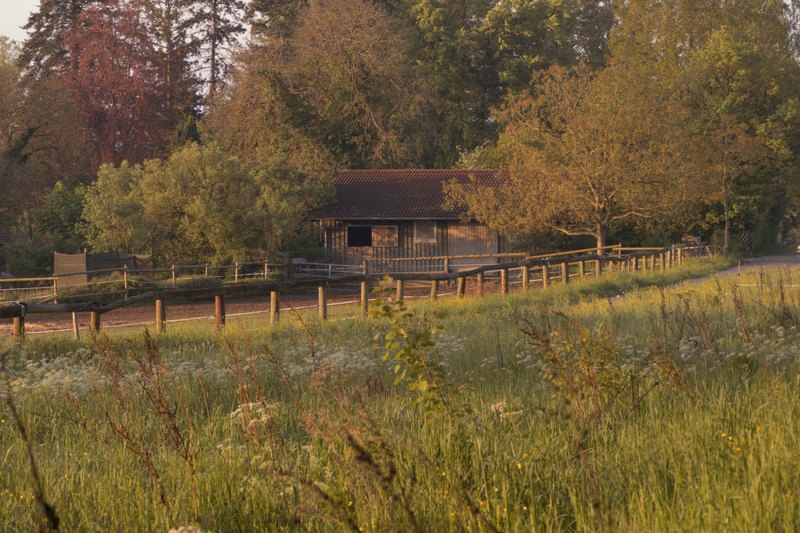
(116, 81)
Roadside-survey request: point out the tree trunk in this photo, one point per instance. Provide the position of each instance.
(601, 235)
(726, 209)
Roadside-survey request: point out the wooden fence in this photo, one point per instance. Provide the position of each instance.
(555, 268)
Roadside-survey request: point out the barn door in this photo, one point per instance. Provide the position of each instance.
(470, 239)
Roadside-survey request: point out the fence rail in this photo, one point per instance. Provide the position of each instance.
(546, 270)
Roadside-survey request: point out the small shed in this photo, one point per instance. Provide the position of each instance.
(380, 216)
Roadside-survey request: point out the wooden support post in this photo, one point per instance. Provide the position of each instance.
(434, 289)
(526, 277)
(400, 290)
(323, 303)
(161, 316)
(219, 311)
(75, 330)
(653, 261)
(545, 276)
(55, 290)
(364, 296)
(236, 273)
(94, 321)
(479, 282)
(446, 265)
(564, 272)
(582, 268)
(598, 267)
(504, 281)
(173, 275)
(460, 287)
(266, 269)
(364, 267)
(661, 260)
(19, 329)
(206, 273)
(125, 279)
(274, 307)
(635, 263)
(680, 256)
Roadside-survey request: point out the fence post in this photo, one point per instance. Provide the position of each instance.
(598, 267)
(661, 258)
(635, 264)
(545, 276)
(446, 265)
(173, 275)
(94, 321)
(680, 256)
(161, 316)
(55, 290)
(206, 274)
(125, 279)
(504, 281)
(653, 261)
(19, 328)
(266, 269)
(564, 272)
(400, 290)
(479, 282)
(364, 296)
(364, 267)
(434, 289)
(75, 329)
(460, 287)
(323, 303)
(219, 311)
(582, 268)
(274, 307)
(526, 277)
(236, 273)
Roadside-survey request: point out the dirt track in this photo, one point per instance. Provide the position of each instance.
(178, 311)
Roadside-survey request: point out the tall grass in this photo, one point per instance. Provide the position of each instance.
(567, 409)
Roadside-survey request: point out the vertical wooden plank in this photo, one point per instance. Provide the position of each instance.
(564, 272)
(94, 321)
(323, 303)
(635, 265)
(274, 307)
(504, 281)
(545, 276)
(479, 281)
(161, 316)
(173, 275)
(434, 289)
(653, 261)
(236, 273)
(400, 290)
(75, 330)
(364, 296)
(598, 267)
(661, 260)
(219, 311)
(526, 277)
(460, 287)
(266, 269)
(19, 328)
(446, 265)
(55, 290)
(680, 256)
(125, 279)
(582, 268)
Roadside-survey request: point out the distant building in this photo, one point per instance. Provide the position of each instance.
(383, 214)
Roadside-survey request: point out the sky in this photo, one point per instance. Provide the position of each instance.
(13, 14)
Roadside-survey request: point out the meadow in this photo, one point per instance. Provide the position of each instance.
(621, 403)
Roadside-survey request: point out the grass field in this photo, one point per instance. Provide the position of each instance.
(608, 404)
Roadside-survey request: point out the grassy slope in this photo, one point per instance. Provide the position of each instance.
(658, 411)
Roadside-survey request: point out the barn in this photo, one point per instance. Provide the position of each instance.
(381, 218)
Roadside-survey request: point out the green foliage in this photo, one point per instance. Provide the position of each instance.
(199, 205)
(409, 344)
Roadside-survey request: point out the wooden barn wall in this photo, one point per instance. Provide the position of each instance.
(337, 252)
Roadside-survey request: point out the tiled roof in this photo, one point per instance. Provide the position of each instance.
(399, 194)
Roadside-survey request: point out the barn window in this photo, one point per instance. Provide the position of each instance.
(384, 236)
(359, 236)
(425, 232)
